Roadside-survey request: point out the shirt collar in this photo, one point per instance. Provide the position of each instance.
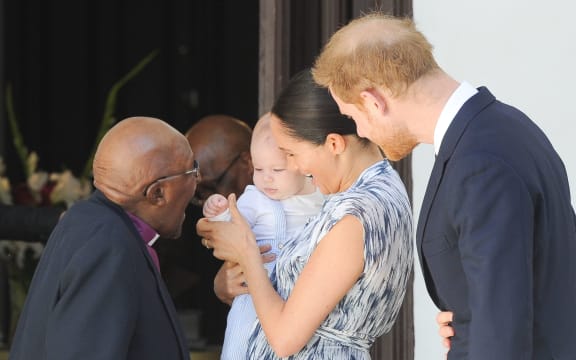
(148, 234)
(464, 92)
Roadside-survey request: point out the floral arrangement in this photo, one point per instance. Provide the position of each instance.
(42, 188)
(46, 189)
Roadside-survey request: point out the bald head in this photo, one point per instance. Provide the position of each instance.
(221, 144)
(218, 134)
(135, 152)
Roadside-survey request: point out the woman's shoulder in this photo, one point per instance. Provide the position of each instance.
(378, 188)
(376, 180)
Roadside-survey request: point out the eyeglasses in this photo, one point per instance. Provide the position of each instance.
(194, 171)
(207, 188)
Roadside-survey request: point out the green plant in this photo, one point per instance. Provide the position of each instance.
(108, 117)
(21, 258)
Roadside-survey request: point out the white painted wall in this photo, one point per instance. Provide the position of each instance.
(525, 53)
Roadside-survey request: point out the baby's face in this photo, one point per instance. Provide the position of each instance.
(272, 177)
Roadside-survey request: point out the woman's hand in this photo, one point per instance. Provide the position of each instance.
(232, 240)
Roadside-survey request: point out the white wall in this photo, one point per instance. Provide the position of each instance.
(525, 53)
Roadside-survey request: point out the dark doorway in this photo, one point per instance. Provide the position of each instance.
(62, 57)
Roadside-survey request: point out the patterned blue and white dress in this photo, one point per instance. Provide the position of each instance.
(379, 200)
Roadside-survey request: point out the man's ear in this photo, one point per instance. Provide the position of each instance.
(155, 194)
(373, 101)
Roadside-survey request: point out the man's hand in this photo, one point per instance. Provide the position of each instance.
(445, 329)
(229, 282)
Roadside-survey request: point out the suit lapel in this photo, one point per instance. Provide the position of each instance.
(471, 108)
(168, 306)
(163, 292)
(166, 299)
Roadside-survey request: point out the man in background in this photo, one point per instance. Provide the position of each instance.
(221, 143)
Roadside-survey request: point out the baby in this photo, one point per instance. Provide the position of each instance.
(278, 205)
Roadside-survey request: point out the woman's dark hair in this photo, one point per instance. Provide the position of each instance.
(308, 111)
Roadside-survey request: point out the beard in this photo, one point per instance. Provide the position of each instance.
(398, 145)
(395, 142)
(397, 152)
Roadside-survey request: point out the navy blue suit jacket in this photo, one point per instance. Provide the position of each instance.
(96, 294)
(497, 237)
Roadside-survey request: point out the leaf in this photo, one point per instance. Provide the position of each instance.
(17, 138)
(108, 119)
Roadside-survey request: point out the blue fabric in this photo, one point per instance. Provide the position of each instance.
(497, 237)
(268, 219)
(96, 294)
(379, 200)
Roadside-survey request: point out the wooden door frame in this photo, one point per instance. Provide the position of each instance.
(3, 124)
(274, 52)
(274, 72)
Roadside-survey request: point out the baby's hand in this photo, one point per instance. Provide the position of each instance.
(214, 205)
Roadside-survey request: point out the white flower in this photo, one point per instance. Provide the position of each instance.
(37, 180)
(32, 162)
(68, 188)
(35, 183)
(5, 193)
(17, 250)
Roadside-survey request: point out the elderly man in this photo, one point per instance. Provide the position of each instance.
(97, 292)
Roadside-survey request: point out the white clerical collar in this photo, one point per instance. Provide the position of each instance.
(464, 92)
(151, 242)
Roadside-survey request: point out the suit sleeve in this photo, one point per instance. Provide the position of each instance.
(97, 307)
(493, 214)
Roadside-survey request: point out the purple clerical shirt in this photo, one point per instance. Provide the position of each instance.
(149, 236)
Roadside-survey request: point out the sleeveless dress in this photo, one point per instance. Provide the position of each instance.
(272, 222)
(379, 200)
